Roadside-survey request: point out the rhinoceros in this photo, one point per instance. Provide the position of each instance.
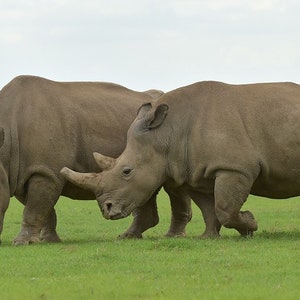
(216, 141)
(48, 125)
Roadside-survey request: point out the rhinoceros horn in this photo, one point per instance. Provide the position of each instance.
(87, 181)
(104, 162)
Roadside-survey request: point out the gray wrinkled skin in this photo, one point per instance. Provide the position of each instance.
(216, 141)
(48, 125)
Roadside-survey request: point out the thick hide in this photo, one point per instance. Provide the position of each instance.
(217, 142)
(48, 125)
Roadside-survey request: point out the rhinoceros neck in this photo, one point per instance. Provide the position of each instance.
(178, 157)
(187, 117)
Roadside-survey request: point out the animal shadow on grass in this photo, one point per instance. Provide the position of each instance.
(279, 235)
(262, 235)
(266, 235)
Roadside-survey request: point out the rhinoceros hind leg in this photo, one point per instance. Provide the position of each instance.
(206, 203)
(231, 191)
(42, 195)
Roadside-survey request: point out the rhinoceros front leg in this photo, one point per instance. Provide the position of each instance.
(42, 195)
(231, 191)
(181, 210)
(48, 233)
(206, 203)
(144, 217)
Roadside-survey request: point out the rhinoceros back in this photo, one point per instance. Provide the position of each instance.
(51, 124)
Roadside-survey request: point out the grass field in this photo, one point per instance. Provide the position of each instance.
(92, 263)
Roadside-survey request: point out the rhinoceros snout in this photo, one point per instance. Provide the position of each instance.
(108, 206)
(111, 211)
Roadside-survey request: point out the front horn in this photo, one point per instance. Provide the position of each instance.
(104, 162)
(87, 181)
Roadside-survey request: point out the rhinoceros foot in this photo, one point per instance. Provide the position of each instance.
(130, 235)
(251, 224)
(50, 237)
(175, 234)
(26, 239)
(210, 235)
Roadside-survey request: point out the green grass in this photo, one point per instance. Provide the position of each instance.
(92, 263)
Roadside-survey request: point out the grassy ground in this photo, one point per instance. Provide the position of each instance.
(92, 264)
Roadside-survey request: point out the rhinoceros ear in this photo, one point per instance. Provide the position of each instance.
(143, 110)
(1, 136)
(87, 181)
(104, 162)
(155, 118)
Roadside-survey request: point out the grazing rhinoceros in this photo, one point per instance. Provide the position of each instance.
(49, 125)
(212, 139)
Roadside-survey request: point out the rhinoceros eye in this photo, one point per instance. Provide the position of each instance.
(126, 171)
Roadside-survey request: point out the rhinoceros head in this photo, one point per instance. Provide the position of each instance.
(130, 180)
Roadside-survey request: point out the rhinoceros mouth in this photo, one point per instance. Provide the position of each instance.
(117, 217)
(122, 214)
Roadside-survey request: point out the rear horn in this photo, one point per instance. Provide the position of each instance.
(104, 162)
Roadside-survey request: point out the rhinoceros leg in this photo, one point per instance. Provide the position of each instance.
(4, 196)
(42, 195)
(144, 217)
(231, 191)
(206, 203)
(48, 233)
(181, 211)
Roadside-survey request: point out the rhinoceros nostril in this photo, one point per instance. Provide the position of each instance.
(108, 206)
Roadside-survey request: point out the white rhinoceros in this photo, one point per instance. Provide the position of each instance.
(48, 125)
(214, 140)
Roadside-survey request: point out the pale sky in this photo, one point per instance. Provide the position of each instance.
(145, 44)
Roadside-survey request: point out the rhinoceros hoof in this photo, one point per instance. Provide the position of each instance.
(26, 241)
(175, 234)
(50, 236)
(207, 235)
(51, 239)
(130, 235)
